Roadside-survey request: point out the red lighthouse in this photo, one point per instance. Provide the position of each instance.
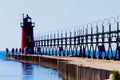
(27, 34)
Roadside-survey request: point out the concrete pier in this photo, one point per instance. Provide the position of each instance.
(72, 68)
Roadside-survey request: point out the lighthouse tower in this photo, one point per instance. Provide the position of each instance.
(27, 34)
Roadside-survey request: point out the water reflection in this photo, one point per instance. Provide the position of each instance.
(12, 70)
(27, 69)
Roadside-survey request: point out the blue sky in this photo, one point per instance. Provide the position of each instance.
(50, 15)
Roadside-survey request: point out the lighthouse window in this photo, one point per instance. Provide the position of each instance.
(29, 20)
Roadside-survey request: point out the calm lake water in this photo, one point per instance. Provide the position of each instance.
(13, 70)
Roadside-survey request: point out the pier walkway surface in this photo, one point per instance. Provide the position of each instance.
(89, 62)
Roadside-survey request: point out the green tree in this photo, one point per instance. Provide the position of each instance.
(115, 75)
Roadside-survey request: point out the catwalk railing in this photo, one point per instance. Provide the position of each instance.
(98, 40)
